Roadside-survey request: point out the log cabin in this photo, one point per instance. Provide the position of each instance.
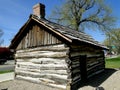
(53, 54)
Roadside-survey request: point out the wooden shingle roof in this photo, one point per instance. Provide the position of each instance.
(70, 33)
(65, 32)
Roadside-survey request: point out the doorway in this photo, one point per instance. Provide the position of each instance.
(83, 67)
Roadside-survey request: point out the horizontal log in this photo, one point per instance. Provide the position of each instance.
(58, 86)
(45, 80)
(76, 54)
(75, 74)
(94, 66)
(75, 65)
(38, 80)
(77, 70)
(77, 62)
(95, 56)
(89, 54)
(84, 50)
(29, 74)
(41, 54)
(92, 63)
(44, 60)
(74, 58)
(61, 72)
(90, 60)
(76, 82)
(84, 47)
(26, 69)
(97, 68)
(97, 72)
(30, 65)
(49, 60)
(41, 75)
(60, 47)
(76, 78)
(101, 59)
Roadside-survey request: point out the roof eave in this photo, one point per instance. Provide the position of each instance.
(99, 46)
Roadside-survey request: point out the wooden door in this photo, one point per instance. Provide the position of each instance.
(83, 68)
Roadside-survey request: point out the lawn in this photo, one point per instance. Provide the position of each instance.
(113, 62)
(8, 71)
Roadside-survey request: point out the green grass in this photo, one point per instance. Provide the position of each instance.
(8, 71)
(113, 62)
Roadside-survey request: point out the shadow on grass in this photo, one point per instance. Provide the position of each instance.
(98, 79)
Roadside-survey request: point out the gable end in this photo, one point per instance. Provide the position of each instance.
(37, 36)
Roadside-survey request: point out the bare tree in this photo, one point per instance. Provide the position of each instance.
(81, 14)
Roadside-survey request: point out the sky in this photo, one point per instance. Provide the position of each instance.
(14, 13)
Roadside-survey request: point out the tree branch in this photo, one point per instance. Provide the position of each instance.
(90, 5)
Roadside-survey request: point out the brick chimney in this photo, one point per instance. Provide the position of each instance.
(39, 10)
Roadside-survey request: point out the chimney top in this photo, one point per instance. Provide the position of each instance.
(39, 10)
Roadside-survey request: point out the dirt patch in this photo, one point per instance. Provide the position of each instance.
(23, 85)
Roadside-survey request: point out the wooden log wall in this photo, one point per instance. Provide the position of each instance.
(37, 36)
(95, 61)
(45, 65)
